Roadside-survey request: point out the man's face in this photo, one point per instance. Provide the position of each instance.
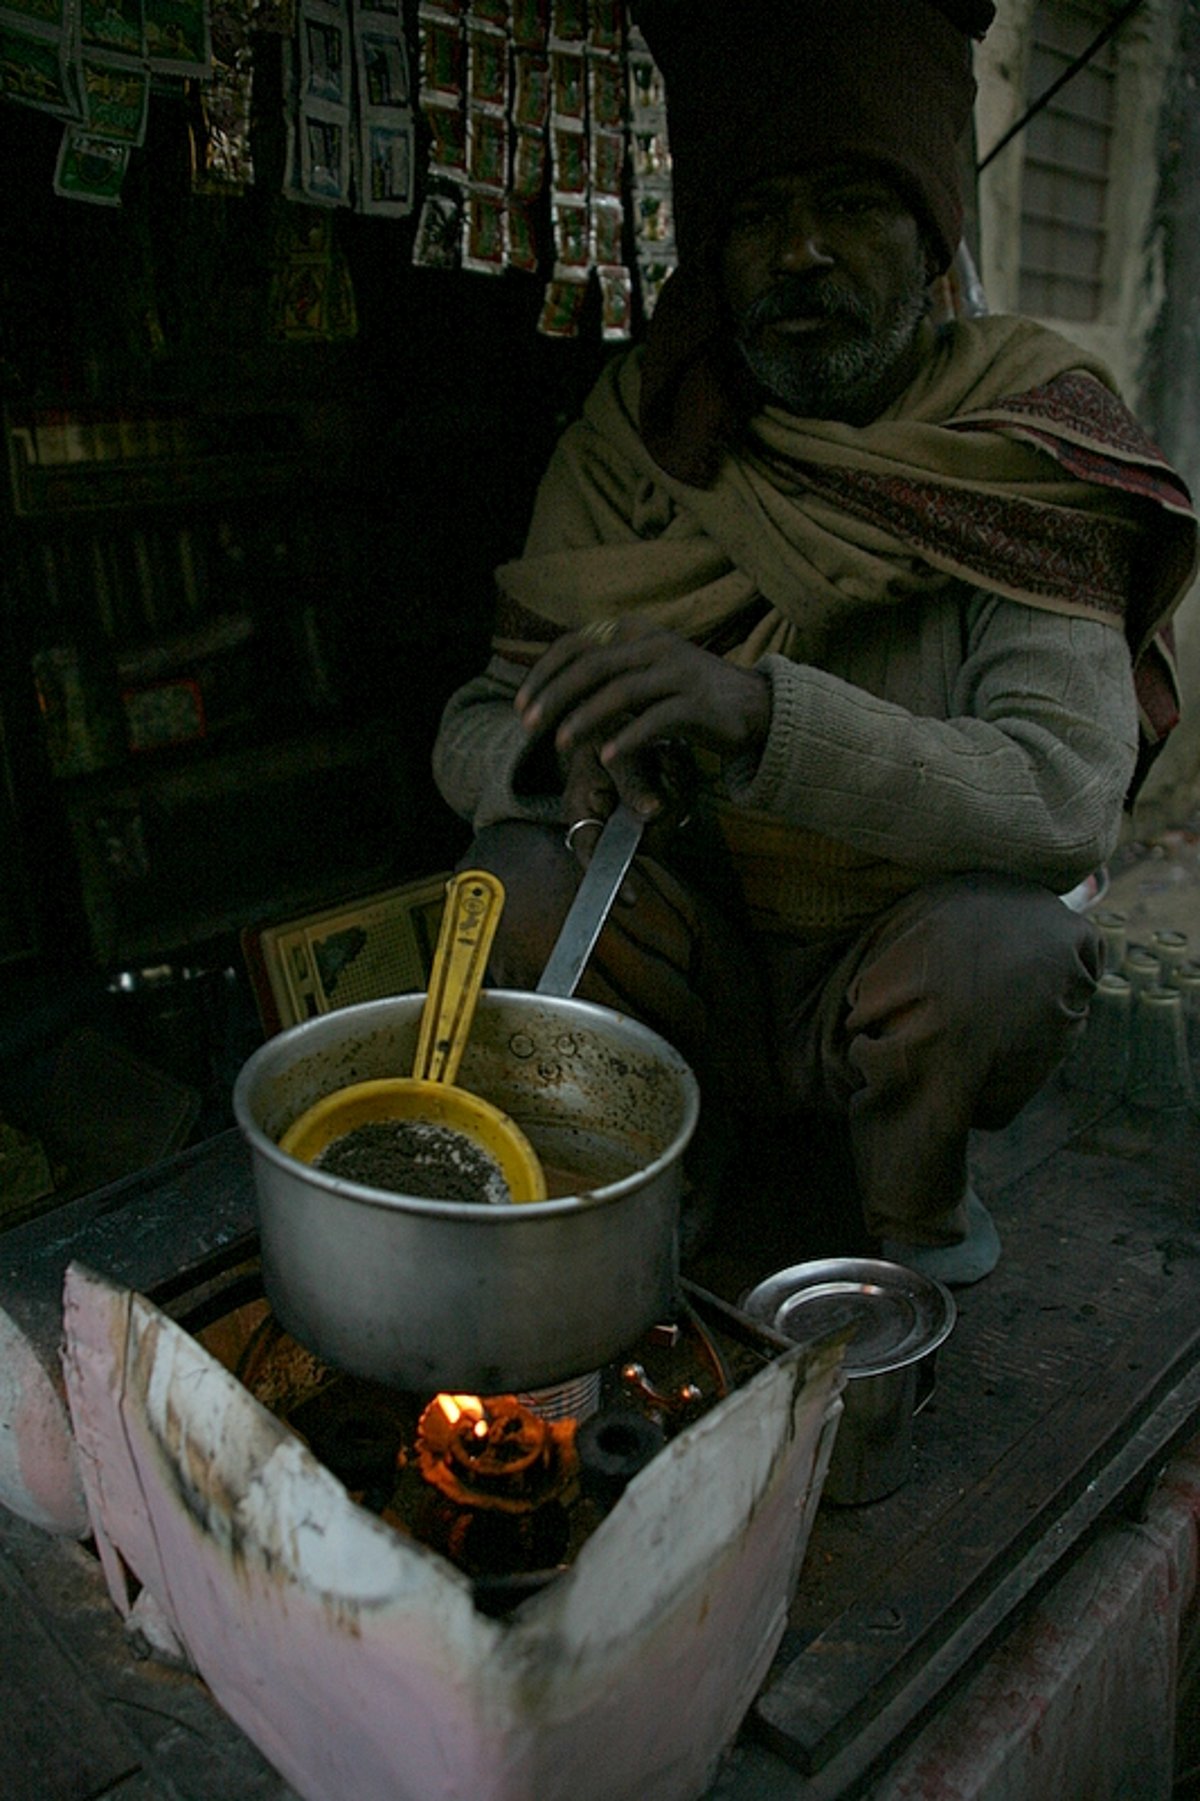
(825, 276)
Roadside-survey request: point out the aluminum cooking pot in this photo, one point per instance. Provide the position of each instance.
(429, 1295)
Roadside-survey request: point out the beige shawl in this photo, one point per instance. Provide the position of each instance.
(1009, 463)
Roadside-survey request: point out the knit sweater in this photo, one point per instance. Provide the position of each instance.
(966, 732)
(936, 599)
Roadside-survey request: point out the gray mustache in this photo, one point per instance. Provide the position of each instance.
(802, 300)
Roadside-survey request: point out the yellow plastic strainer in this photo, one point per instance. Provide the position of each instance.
(474, 900)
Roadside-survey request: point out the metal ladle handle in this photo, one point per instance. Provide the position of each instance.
(474, 902)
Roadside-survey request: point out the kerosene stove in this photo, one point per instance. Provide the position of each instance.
(574, 1592)
(507, 1487)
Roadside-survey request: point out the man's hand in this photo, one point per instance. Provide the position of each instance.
(628, 697)
(589, 794)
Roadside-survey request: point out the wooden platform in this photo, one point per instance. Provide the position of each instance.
(1071, 1373)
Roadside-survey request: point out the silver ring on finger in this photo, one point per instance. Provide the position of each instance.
(572, 830)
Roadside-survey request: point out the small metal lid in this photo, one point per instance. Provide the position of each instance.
(895, 1315)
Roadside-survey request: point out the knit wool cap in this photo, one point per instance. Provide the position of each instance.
(756, 87)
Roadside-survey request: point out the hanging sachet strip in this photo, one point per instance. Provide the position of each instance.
(650, 159)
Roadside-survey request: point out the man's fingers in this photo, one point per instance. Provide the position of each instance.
(569, 671)
(548, 665)
(630, 745)
(589, 796)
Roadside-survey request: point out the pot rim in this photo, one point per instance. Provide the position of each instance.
(466, 1212)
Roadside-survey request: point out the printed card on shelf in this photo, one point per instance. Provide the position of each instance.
(36, 66)
(90, 168)
(178, 37)
(116, 27)
(116, 99)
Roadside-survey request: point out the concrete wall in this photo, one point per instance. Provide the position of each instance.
(1171, 386)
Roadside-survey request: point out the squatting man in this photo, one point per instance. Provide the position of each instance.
(858, 605)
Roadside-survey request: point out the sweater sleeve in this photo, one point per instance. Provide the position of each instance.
(1027, 774)
(484, 765)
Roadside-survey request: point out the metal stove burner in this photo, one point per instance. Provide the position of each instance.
(507, 1495)
(495, 1453)
(499, 1483)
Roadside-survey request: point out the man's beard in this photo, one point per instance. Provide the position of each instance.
(827, 380)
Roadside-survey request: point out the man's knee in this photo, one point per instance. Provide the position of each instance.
(991, 941)
(1017, 948)
(980, 983)
(519, 851)
(540, 878)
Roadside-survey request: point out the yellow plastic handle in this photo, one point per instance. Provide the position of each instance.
(474, 902)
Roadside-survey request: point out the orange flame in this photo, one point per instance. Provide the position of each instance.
(456, 1406)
